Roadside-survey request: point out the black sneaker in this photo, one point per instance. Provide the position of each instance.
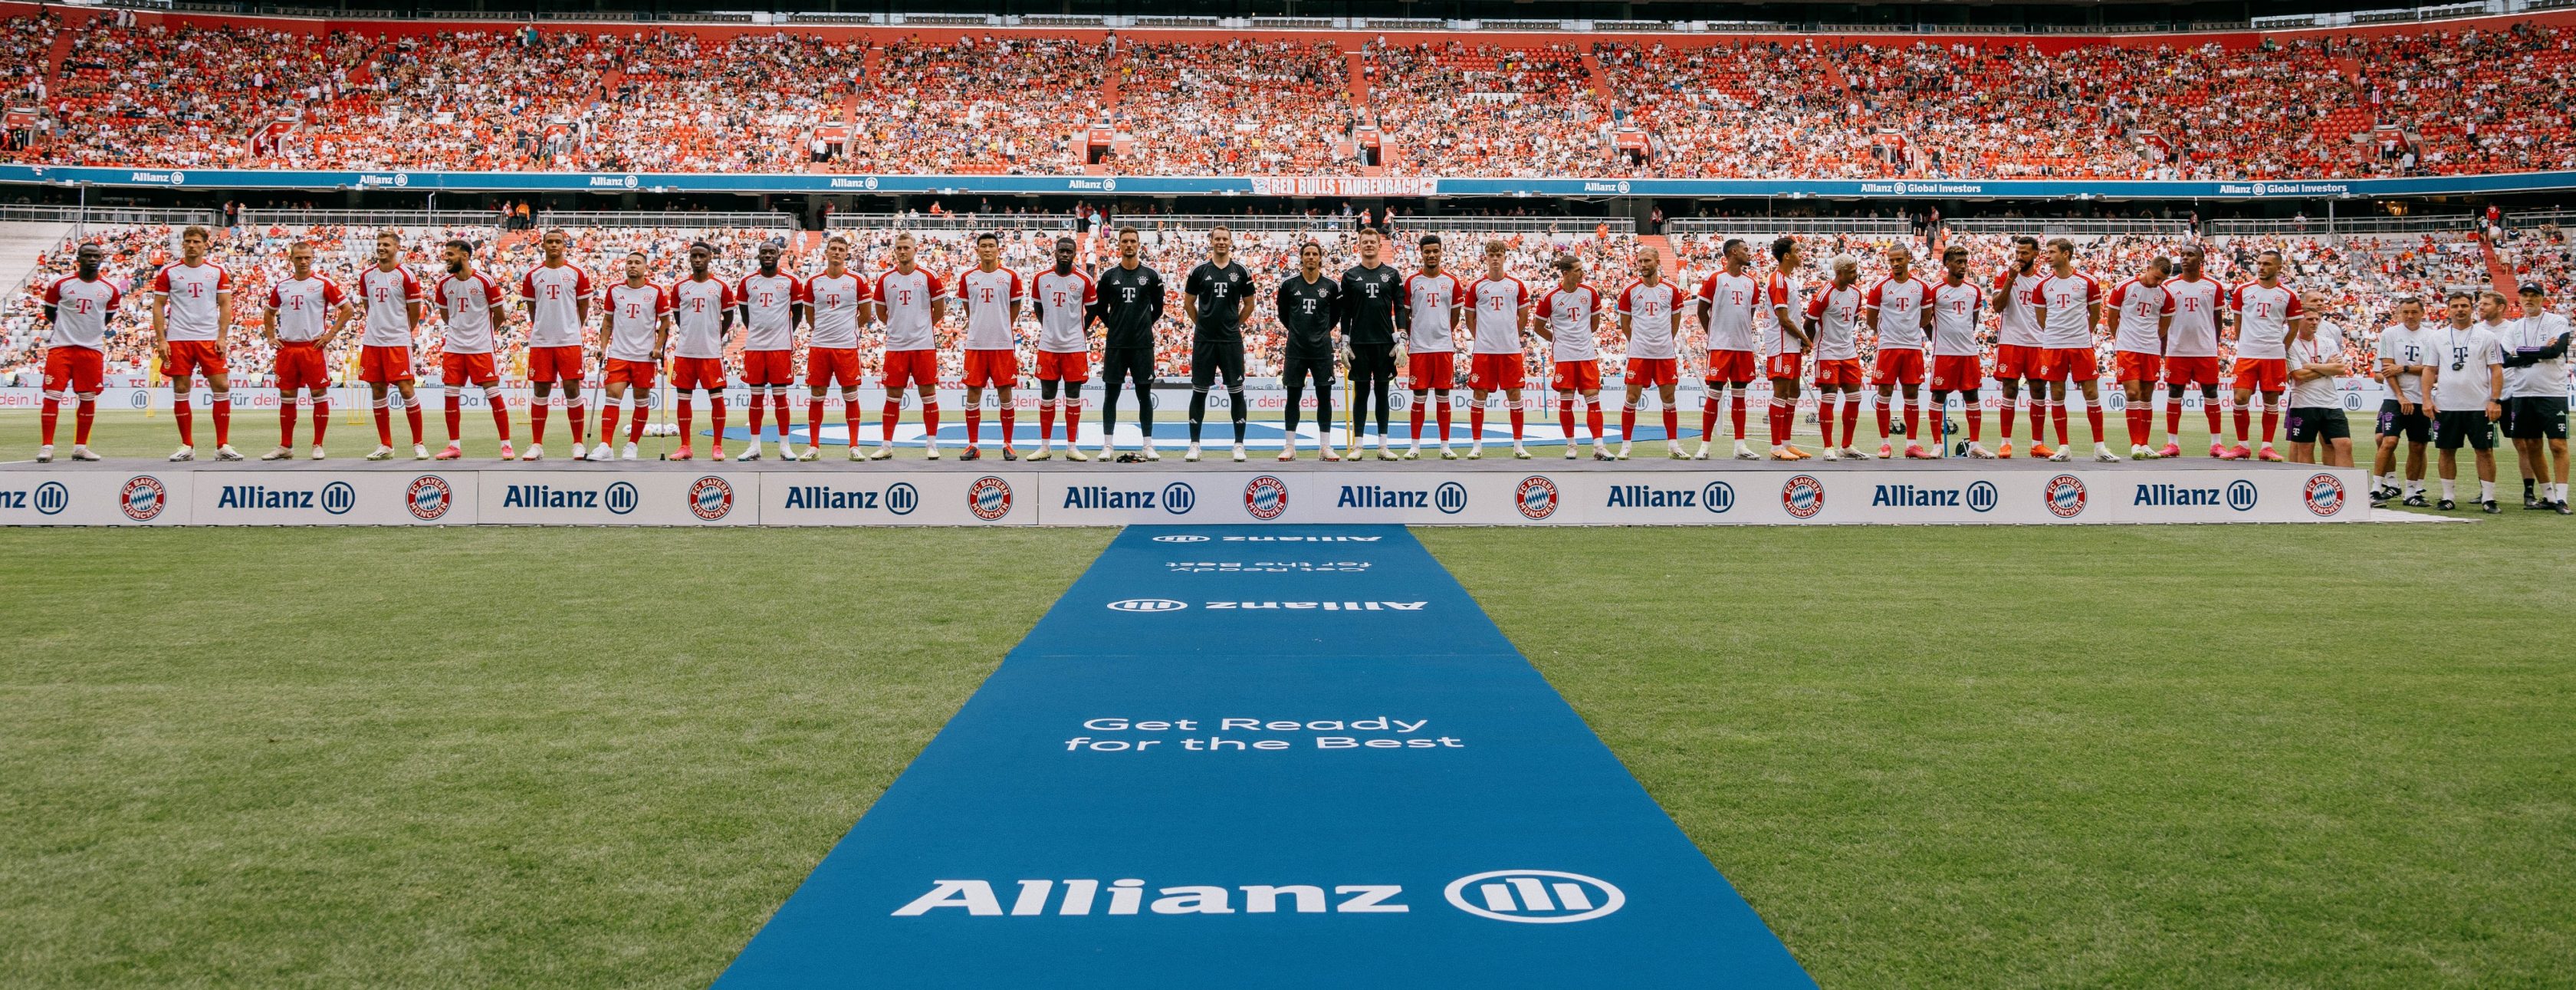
(971, 454)
(2385, 493)
(2491, 507)
(2416, 501)
(2561, 508)
(2378, 501)
(1010, 455)
(2446, 505)
(2531, 504)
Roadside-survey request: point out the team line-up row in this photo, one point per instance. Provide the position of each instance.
(2166, 322)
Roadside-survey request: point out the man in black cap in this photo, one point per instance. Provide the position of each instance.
(2535, 402)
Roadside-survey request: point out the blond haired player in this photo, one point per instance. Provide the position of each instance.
(391, 300)
(304, 312)
(192, 313)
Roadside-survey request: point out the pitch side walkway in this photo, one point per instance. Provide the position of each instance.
(1281, 756)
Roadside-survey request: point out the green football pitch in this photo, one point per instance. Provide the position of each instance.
(1929, 756)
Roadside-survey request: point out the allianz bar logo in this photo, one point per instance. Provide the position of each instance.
(1540, 897)
(1449, 497)
(335, 498)
(1177, 498)
(1980, 496)
(2239, 495)
(899, 498)
(619, 498)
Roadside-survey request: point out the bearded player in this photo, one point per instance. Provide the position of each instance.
(1650, 317)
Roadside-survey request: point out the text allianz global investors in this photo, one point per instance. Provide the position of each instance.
(1373, 732)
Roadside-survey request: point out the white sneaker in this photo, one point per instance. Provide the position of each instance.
(814, 452)
(1520, 453)
(1151, 452)
(928, 450)
(1046, 449)
(1385, 453)
(317, 451)
(749, 455)
(1832, 454)
(1673, 448)
(536, 452)
(381, 453)
(1414, 451)
(2139, 452)
(602, 452)
(1978, 451)
(1601, 451)
(1476, 452)
(1702, 453)
(1193, 454)
(1288, 452)
(2064, 453)
(1570, 449)
(1850, 454)
(1073, 453)
(1624, 447)
(81, 452)
(184, 453)
(227, 453)
(884, 451)
(1238, 453)
(420, 452)
(2104, 455)
(787, 451)
(1744, 452)
(628, 453)
(281, 453)
(858, 455)
(45, 454)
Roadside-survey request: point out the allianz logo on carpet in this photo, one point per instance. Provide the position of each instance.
(1538, 897)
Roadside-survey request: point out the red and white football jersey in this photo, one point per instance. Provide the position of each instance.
(2263, 319)
(1569, 313)
(1651, 311)
(1734, 303)
(836, 300)
(634, 312)
(770, 302)
(988, 297)
(556, 293)
(1062, 302)
(2065, 306)
(2194, 332)
(387, 297)
(1781, 290)
(697, 316)
(195, 294)
(465, 305)
(1837, 315)
(2141, 308)
(1498, 304)
(1956, 311)
(903, 300)
(1431, 300)
(1900, 312)
(302, 307)
(2019, 326)
(80, 311)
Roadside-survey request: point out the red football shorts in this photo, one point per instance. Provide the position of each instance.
(384, 365)
(1898, 366)
(555, 364)
(2136, 366)
(689, 373)
(1837, 372)
(2016, 362)
(832, 366)
(1495, 372)
(1064, 366)
(1785, 367)
(906, 368)
(768, 367)
(1731, 367)
(1956, 373)
(299, 365)
(1432, 369)
(458, 369)
(1578, 376)
(2202, 370)
(77, 369)
(637, 373)
(998, 368)
(1654, 372)
(2262, 374)
(2069, 364)
(188, 357)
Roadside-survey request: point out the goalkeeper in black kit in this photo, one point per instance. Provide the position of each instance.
(1373, 312)
(1310, 306)
(1130, 306)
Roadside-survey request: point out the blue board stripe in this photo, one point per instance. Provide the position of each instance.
(1400, 799)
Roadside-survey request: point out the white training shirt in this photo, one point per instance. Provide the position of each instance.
(697, 316)
(2194, 332)
(2464, 388)
(2138, 311)
(387, 297)
(2325, 348)
(1569, 313)
(771, 304)
(80, 311)
(1837, 315)
(1652, 310)
(1956, 310)
(2406, 348)
(556, 293)
(465, 306)
(303, 307)
(1431, 301)
(1498, 305)
(903, 300)
(2263, 318)
(634, 312)
(2542, 379)
(195, 294)
(1900, 312)
(1062, 302)
(1732, 304)
(836, 300)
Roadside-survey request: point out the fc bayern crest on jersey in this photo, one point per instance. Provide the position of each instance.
(989, 498)
(429, 498)
(1265, 497)
(710, 498)
(2064, 496)
(2325, 494)
(1536, 497)
(143, 498)
(1802, 497)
